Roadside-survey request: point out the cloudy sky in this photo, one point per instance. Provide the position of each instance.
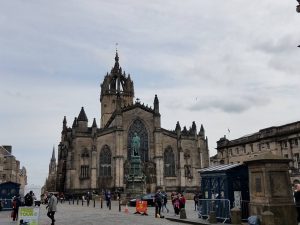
(225, 64)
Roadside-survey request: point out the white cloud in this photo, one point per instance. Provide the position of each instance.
(230, 64)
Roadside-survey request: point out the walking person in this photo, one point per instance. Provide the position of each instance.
(165, 201)
(108, 198)
(158, 202)
(52, 204)
(196, 200)
(297, 201)
(16, 204)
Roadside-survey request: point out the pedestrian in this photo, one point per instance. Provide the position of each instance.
(15, 205)
(176, 204)
(297, 201)
(158, 202)
(108, 198)
(52, 204)
(196, 200)
(165, 201)
(29, 199)
(182, 201)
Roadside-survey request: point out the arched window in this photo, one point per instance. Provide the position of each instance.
(105, 162)
(139, 128)
(169, 162)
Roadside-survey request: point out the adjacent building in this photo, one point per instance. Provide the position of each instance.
(97, 158)
(280, 140)
(10, 168)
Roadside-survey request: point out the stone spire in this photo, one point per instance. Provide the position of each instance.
(156, 105)
(94, 123)
(202, 132)
(82, 116)
(64, 123)
(53, 154)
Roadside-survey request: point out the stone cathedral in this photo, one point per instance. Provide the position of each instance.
(129, 152)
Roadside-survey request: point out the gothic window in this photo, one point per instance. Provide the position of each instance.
(188, 163)
(139, 128)
(169, 162)
(84, 171)
(105, 162)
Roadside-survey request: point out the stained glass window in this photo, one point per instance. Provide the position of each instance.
(169, 162)
(105, 162)
(139, 128)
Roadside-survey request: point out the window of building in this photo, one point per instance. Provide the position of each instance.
(85, 153)
(285, 144)
(169, 162)
(139, 128)
(286, 156)
(84, 171)
(296, 142)
(237, 151)
(296, 156)
(105, 162)
(251, 147)
(230, 151)
(268, 145)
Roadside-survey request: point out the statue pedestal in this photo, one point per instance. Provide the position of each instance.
(135, 181)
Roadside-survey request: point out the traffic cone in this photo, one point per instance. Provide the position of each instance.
(126, 209)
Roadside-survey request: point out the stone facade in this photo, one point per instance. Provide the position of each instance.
(10, 168)
(95, 159)
(281, 140)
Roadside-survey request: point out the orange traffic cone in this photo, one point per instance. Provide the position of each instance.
(126, 209)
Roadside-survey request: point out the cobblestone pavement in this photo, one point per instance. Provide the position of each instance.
(82, 215)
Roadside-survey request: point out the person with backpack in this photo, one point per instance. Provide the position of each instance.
(29, 199)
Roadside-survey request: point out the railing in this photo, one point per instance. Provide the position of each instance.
(220, 206)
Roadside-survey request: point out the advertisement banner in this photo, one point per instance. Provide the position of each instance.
(28, 216)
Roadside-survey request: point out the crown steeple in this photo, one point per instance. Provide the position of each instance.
(116, 88)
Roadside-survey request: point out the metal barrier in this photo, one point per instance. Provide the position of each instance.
(243, 205)
(220, 206)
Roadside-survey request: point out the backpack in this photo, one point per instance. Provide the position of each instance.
(28, 200)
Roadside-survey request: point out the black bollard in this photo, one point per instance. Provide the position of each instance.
(73, 201)
(69, 202)
(101, 203)
(82, 202)
(119, 205)
(77, 200)
(94, 203)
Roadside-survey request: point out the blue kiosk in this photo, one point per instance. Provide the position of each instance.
(7, 191)
(224, 187)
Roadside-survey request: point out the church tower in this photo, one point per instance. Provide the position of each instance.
(116, 86)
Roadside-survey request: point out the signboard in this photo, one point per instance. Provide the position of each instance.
(141, 207)
(237, 199)
(28, 216)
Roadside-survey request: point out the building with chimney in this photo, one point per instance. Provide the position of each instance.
(99, 157)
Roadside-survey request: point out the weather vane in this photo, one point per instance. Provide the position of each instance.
(117, 46)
